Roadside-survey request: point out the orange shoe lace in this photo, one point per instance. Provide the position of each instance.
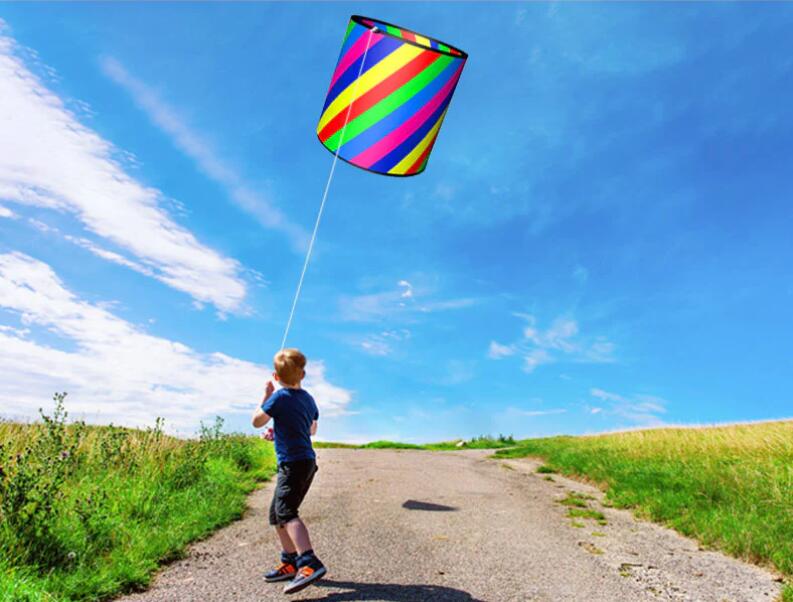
(306, 572)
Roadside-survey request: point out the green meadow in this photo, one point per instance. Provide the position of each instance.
(729, 487)
(89, 512)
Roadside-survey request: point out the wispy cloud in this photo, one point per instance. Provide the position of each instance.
(497, 350)
(114, 369)
(382, 343)
(561, 341)
(404, 301)
(93, 248)
(637, 409)
(56, 162)
(97, 250)
(374, 346)
(201, 152)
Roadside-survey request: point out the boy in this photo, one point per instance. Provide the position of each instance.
(295, 414)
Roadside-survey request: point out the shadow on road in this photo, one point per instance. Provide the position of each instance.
(390, 592)
(428, 506)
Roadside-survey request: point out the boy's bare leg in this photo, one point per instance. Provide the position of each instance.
(287, 543)
(298, 534)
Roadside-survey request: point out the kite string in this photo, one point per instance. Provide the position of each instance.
(325, 195)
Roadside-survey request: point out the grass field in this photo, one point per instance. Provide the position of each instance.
(729, 487)
(88, 512)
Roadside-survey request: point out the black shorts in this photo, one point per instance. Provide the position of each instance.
(294, 479)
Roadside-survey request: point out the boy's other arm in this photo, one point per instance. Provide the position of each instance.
(260, 417)
(313, 428)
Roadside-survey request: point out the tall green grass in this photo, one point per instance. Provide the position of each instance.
(729, 487)
(88, 512)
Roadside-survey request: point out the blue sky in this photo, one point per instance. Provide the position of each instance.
(601, 239)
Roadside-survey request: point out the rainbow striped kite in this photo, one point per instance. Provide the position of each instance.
(388, 97)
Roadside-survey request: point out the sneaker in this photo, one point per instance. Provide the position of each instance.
(284, 572)
(305, 576)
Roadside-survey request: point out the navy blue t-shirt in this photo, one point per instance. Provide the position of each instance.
(293, 411)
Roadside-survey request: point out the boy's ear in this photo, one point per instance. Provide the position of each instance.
(275, 376)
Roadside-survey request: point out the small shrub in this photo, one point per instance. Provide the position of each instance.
(31, 485)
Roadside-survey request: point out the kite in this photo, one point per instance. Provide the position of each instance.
(388, 96)
(386, 102)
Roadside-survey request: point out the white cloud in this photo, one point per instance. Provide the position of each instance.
(404, 301)
(561, 341)
(601, 351)
(56, 162)
(638, 409)
(97, 250)
(6, 212)
(447, 304)
(535, 358)
(497, 351)
(92, 247)
(376, 347)
(407, 291)
(201, 152)
(382, 343)
(605, 395)
(113, 369)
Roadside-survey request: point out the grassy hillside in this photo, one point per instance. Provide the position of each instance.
(729, 487)
(87, 512)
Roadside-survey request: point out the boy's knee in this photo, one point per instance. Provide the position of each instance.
(280, 517)
(283, 518)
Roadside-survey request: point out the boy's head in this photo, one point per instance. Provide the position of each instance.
(290, 367)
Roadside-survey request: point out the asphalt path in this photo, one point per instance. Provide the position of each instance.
(397, 526)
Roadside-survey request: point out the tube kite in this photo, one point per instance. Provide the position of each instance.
(388, 96)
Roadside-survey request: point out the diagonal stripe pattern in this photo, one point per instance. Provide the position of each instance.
(391, 89)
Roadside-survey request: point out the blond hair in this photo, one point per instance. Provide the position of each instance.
(290, 366)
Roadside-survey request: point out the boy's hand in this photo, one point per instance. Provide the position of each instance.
(268, 435)
(268, 390)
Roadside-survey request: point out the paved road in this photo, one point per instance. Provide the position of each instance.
(398, 526)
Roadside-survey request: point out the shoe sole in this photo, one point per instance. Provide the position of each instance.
(316, 576)
(281, 578)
